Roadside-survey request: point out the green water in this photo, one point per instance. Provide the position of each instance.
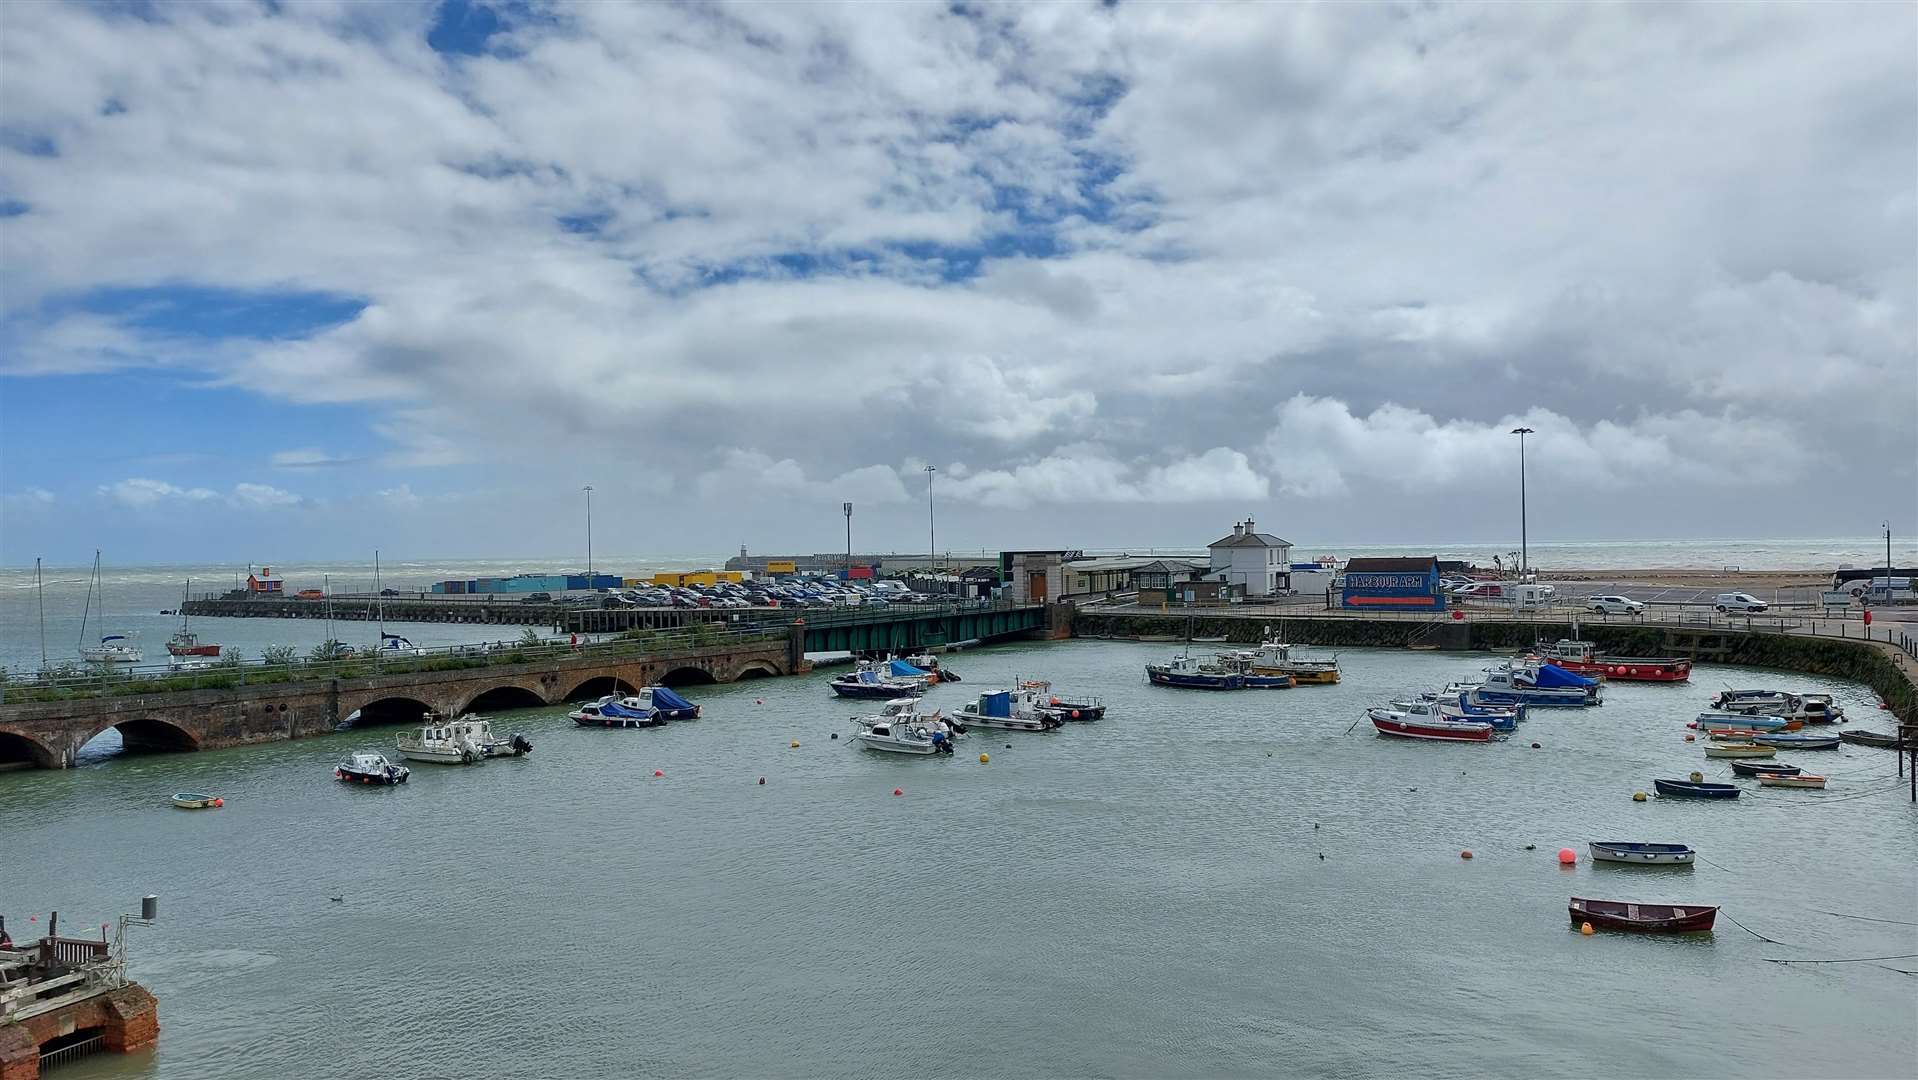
(1144, 896)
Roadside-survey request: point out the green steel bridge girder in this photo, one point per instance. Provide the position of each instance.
(910, 631)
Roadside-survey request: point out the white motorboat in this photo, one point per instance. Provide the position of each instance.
(1012, 710)
(465, 741)
(901, 728)
(395, 645)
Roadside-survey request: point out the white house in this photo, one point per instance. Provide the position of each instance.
(1256, 563)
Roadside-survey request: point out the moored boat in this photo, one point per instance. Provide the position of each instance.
(1276, 658)
(1802, 708)
(1504, 720)
(1251, 679)
(196, 800)
(367, 767)
(872, 683)
(1007, 709)
(1639, 854)
(441, 742)
(1412, 726)
(611, 712)
(1738, 750)
(1762, 768)
(1086, 709)
(1693, 789)
(1799, 779)
(902, 728)
(1543, 684)
(1584, 658)
(1717, 721)
(1646, 918)
(1186, 673)
(1797, 740)
(185, 642)
(1869, 738)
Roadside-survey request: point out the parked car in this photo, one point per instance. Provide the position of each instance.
(537, 598)
(1727, 602)
(1616, 605)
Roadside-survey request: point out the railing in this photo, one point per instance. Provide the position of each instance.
(129, 680)
(92, 1044)
(71, 952)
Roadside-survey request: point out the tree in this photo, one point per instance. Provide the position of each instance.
(277, 655)
(230, 658)
(530, 636)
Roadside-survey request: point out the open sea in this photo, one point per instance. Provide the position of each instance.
(1200, 885)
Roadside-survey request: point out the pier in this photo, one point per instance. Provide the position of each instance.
(64, 997)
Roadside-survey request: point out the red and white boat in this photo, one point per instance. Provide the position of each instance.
(1583, 657)
(1415, 726)
(186, 642)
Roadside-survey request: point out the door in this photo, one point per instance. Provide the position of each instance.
(1036, 587)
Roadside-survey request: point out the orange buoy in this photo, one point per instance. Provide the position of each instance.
(219, 802)
(1585, 928)
(1691, 738)
(898, 791)
(1466, 854)
(1566, 856)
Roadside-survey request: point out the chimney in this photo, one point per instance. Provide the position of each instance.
(1238, 529)
(1249, 530)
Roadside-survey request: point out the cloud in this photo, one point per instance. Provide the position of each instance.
(264, 496)
(1089, 473)
(139, 492)
(309, 458)
(747, 474)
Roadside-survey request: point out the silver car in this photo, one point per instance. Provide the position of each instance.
(1616, 605)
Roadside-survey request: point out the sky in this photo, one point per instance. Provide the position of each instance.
(284, 281)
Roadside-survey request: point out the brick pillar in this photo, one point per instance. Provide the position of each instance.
(19, 1053)
(796, 647)
(133, 1019)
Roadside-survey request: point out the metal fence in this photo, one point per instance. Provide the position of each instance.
(73, 1051)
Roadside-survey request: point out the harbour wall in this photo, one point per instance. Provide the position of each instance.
(1874, 664)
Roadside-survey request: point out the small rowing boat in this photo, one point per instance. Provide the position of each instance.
(1693, 789)
(1738, 750)
(1646, 918)
(1638, 854)
(1708, 721)
(1869, 738)
(1798, 740)
(1761, 768)
(196, 800)
(1802, 779)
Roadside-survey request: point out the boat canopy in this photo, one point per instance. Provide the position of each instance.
(666, 699)
(1553, 677)
(902, 670)
(999, 704)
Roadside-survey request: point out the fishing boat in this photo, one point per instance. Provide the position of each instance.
(1407, 725)
(1462, 707)
(1044, 700)
(1870, 738)
(1008, 710)
(1276, 658)
(1637, 854)
(185, 642)
(1738, 750)
(614, 711)
(1718, 721)
(367, 767)
(929, 664)
(1804, 708)
(902, 728)
(196, 800)
(871, 682)
(1693, 789)
(1241, 662)
(1797, 740)
(1541, 684)
(1186, 673)
(441, 743)
(112, 648)
(1440, 710)
(1798, 779)
(1761, 768)
(1647, 918)
(1584, 658)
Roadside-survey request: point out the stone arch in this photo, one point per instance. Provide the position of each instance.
(688, 675)
(146, 735)
(17, 750)
(391, 710)
(757, 669)
(598, 687)
(502, 697)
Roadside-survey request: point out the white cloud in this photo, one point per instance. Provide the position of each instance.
(749, 474)
(140, 492)
(264, 496)
(308, 457)
(1089, 473)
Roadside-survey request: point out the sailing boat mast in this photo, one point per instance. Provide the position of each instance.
(326, 583)
(379, 594)
(186, 593)
(40, 586)
(88, 609)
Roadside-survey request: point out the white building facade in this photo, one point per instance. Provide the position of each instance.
(1251, 562)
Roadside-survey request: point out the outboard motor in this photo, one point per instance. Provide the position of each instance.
(521, 744)
(946, 674)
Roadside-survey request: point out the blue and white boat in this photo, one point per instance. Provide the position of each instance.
(877, 683)
(651, 707)
(1502, 719)
(1185, 673)
(1637, 854)
(1718, 721)
(1544, 684)
(1798, 740)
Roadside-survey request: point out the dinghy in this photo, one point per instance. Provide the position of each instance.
(1638, 854)
(1646, 918)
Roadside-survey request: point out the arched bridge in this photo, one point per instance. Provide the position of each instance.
(48, 734)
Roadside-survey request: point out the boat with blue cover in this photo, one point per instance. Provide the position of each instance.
(650, 707)
(1541, 684)
(1693, 789)
(1008, 709)
(1503, 721)
(1639, 854)
(1186, 673)
(879, 683)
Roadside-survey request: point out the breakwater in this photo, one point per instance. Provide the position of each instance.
(1872, 664)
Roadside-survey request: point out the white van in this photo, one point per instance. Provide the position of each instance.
(1727, 602)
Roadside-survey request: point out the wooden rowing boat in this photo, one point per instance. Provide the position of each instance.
(1645, 918)
(1739, 750)
(1869, 738)
(196, 800)
(1638, 854)
(1760, 768)
(1693, 789)
(1802, 779)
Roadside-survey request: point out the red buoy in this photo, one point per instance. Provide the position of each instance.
(659, 772)
(898, 791)
(1466, 854)
(1566, 856)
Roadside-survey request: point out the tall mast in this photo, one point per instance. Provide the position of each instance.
(88, 609)
(379, 594)
(186, 593)
(40, 586)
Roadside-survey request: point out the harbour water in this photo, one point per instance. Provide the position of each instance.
(1199, 885)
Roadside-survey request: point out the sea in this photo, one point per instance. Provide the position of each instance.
(1249, 884)
(136, 600)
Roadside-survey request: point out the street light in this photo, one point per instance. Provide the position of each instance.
(932, 537)
(847, 507)
(588, 489)
(1887, 528)
(1524, 547)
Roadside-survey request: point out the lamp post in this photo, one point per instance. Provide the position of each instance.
(1524, 547)
(588, 489)
(1887, 527)
(932, 537)
(847, 507)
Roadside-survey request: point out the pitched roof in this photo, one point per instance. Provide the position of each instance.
(1414, 565)
(1256, 539)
